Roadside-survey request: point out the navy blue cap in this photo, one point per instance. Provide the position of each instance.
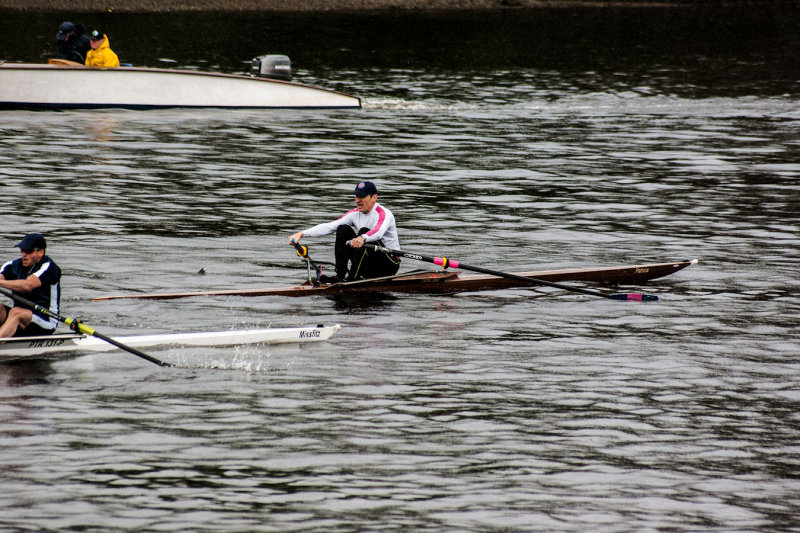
(365, 188)
(96, 35)
(32, 241)
(65, 30)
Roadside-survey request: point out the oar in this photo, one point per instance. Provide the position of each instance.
(79, 326)
(445, 262)
(302, 251)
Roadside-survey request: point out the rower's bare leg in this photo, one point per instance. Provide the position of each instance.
(17, 318)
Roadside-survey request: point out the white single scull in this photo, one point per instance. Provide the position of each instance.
(16, 348)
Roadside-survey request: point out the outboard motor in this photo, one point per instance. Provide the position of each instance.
(273, 66)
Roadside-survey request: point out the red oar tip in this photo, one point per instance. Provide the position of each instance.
(635, 297)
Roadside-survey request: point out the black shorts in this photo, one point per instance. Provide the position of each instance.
(33, 330)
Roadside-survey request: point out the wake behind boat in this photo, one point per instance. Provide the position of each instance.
(422, 281)
(68, 85)
(21, 348)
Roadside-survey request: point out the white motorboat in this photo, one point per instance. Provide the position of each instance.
(66, 85)
(47, 346)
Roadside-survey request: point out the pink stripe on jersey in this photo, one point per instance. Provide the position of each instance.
(381, 218)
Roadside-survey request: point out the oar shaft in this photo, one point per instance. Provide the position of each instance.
(81, 327)
(121, 346)
(445, 263)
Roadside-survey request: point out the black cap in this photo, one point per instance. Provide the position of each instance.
(365, 188)
(32, 241)
(96, 35)
(65, 30)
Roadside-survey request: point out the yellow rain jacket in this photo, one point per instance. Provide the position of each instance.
(103, 56)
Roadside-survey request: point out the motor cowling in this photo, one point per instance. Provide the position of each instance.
(274, 66)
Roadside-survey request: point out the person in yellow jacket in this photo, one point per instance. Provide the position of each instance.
(101, 54)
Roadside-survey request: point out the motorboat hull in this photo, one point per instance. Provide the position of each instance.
(40, 86)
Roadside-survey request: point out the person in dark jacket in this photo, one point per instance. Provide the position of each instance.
(37, 278)
(73, 43)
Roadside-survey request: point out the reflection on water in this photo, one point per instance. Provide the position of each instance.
(524, 409)
(25, 373)
(364, 303)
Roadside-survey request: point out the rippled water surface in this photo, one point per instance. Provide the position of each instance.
(515, 410)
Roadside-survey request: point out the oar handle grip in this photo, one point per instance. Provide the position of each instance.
(302, 251)
(350, 243)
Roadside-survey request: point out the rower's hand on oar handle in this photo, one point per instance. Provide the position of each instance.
(358, 242)
(75, 325)
(294, 240)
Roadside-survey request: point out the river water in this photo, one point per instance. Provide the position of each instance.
(509, 140)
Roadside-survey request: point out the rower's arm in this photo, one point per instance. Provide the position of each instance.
(21, 285)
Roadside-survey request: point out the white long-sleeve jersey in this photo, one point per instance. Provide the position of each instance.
(380, 222)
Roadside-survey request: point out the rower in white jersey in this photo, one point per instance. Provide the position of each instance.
(369, 222)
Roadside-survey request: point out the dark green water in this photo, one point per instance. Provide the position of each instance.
(701, 52)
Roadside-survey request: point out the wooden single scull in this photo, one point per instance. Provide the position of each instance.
(442, 282)
(17, 348)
